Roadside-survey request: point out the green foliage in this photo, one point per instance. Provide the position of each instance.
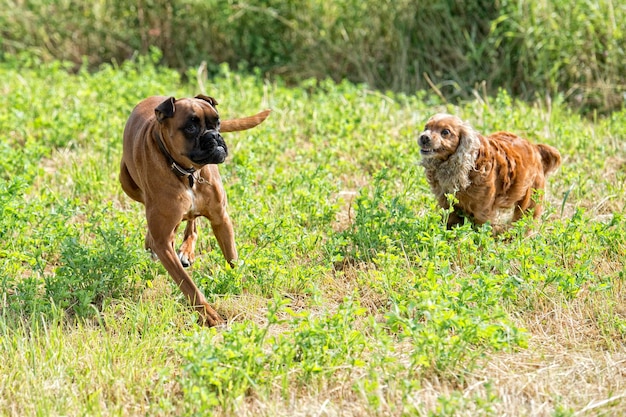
(93, 263)
(349, 287)
(534, 48)
(444, 309)
(247, 359)
(385, 222)
(547, 46)
(92, 273)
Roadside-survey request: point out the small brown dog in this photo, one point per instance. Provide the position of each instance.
(486, 174)
(170, 150)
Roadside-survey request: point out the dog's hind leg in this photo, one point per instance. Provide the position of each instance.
(186, 254)
(128, 184)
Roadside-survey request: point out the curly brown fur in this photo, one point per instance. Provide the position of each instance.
(487, 175)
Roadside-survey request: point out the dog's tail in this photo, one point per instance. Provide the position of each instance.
(550, 158)
(243, 123)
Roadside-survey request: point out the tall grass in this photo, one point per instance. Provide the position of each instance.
(532, 49)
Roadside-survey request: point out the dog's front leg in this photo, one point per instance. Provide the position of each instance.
(162, 230)
(454, 219)
(221, 224)
(172, 264)
(225, 236)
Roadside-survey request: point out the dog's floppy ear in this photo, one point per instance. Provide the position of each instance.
(468, 138)
(165, 109)
(208, 99)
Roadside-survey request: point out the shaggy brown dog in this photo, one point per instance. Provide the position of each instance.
(486, 174)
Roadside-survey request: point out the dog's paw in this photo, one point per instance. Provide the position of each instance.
(185, 260)
(209, 317)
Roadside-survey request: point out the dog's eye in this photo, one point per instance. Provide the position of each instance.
(213, 123)
(191, 128)
(445, 132)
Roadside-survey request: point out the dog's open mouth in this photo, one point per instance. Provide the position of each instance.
(427, 152)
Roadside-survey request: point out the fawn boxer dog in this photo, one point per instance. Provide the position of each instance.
(171, 148)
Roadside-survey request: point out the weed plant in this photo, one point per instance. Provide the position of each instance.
(350, 296)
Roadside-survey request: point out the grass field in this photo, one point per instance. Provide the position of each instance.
(350, 297)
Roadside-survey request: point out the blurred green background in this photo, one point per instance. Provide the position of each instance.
(457, 49)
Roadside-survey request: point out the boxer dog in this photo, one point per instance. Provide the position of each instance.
(171, 148)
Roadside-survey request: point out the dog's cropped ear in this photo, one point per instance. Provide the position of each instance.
(208, 99)
(165, 109)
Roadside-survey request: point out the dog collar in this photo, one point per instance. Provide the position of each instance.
(175, 166)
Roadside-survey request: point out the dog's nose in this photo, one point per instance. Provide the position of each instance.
(213, 134)
(424, 139)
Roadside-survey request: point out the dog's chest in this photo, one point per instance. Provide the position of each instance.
(192, 210)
